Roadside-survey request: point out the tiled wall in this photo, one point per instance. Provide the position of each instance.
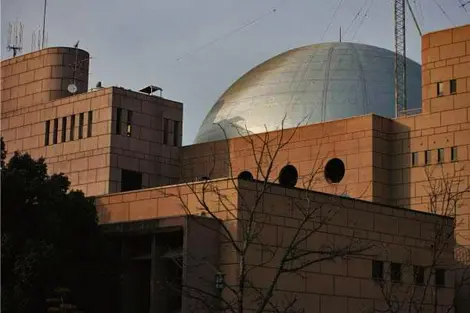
(144, 151)
(397, 235)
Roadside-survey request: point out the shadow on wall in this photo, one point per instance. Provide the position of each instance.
(401, 165)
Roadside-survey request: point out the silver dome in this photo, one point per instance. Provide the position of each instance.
(311, 84)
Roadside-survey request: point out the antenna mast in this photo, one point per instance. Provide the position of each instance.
(15, 38)
(44, 25)
(400, 57)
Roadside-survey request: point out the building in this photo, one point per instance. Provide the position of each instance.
(125, 148)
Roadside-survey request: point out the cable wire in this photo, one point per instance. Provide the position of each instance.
(354, 19)
(236, 30)
(443, 12)
(366, 14)
(332, 19)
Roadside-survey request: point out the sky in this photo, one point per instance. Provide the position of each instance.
(195, 50)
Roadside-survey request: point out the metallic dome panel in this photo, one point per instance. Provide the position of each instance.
(311, 84)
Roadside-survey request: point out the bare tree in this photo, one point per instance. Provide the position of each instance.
(245, 226)
(436, 284)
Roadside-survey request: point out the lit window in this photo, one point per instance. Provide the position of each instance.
(440, 89)
(427, 157)
(440, 155)
(453, 154)
(64, 129)
(453, 86)
(440, 277)
(377, 270)
(419, 275)
(414, 159)
(129, 124)
(395, 272)
(47, 131)
(56, 131)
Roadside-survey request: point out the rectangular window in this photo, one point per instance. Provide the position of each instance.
(47, 131)
(377, 270)
(129, 123)
(453, 154)
(395, 272)
(55, 131)
(427, 157)
(81, 122)
(166, 128)
(176, 132)
(440, 155)
(414, 159)
(72, 128)
(130, 180)
(90, 124)
(419, 275)
(440, 277)
(453, 86)
(118, 120)
(440, 89)
(64, 129)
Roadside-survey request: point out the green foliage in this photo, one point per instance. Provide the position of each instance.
(50, 237)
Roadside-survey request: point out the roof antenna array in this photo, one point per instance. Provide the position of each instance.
(15, 38)
(36, 39)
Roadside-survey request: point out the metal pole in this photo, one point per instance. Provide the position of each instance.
(44, 24)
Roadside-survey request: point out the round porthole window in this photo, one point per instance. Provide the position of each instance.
(334, 171)
(288, 176)
(245, 175)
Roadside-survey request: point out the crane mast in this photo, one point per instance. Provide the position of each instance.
(400, 57)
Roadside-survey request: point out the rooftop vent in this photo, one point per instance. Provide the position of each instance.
(150, 90)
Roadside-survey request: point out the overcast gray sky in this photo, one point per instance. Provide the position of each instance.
(141, 42)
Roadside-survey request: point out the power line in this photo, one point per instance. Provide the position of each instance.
(354, 19)
(366, 13)
(244, 26)
(332, 19)
(443, 11)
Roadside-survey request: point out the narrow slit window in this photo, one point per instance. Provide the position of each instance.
(166, 127)
(440, 155)
(176, 132)
(419, 275)
(72, 128)
(453, 86)
(377, 270)
(453, 154)
(440, 277)
(440, 89)
(90, 124)
(395, 272)
(414, 159)
(47, 133)
(129, 123)
(64, 129)
(56, 131)
(81, 122)
(118, 120)
(427, 157)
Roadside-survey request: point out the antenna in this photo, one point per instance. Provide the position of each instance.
(44, 25)
(15, 37)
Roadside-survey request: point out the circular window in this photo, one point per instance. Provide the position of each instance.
(245, 175)
(334, 171)
(288, 176)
